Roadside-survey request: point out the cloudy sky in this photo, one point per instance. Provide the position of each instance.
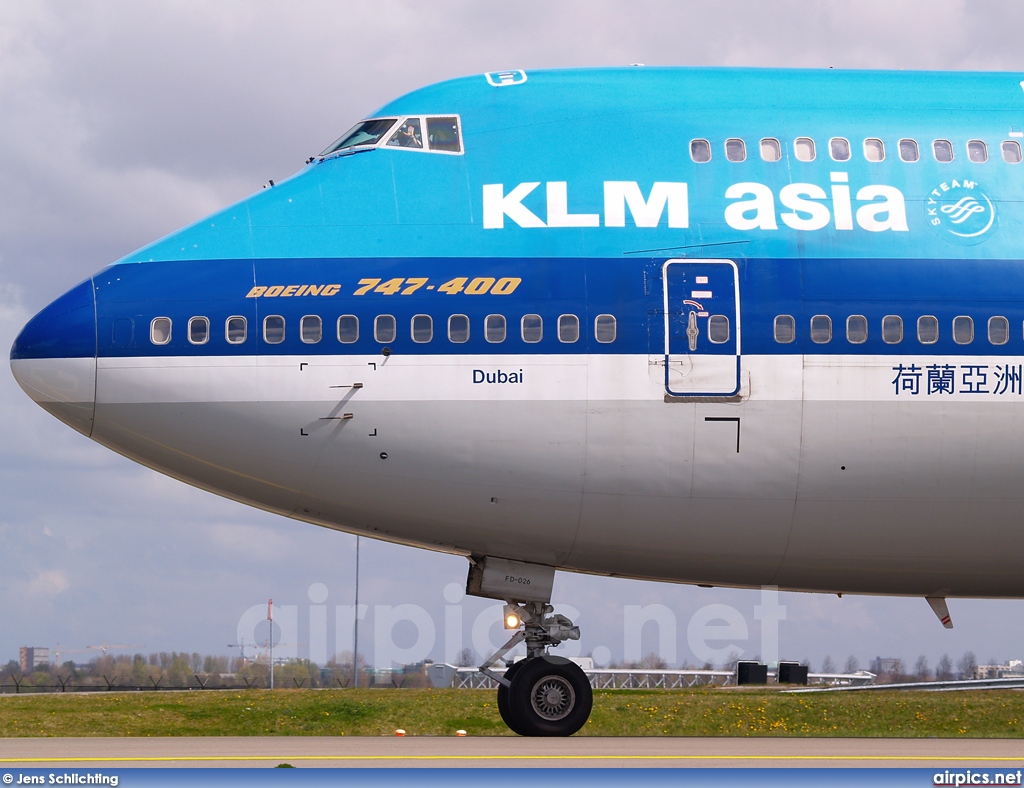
(122, 121)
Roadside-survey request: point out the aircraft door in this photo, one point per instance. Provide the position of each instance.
(702, 328)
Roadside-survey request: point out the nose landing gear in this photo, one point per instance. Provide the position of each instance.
(543, 695)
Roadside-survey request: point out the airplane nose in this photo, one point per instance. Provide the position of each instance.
(54, 358)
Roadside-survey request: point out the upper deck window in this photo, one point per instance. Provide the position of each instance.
(364, 134)
(977, 151)
(443, 134)
(874, 149)
(1011, 151)
(803, 147)
(909, 150)
(943, 150)
(771, 150)
(839, 148)
(700, 151)
(735, 150)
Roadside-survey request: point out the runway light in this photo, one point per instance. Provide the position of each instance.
(460, 732)
(400, 732)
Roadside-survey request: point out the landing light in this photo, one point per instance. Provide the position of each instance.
(512, 618)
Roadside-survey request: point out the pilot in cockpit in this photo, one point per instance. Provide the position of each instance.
(408, 136)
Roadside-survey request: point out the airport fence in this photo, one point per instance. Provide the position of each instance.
(445, 675)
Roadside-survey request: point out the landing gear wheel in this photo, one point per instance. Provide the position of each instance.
(550, 696)
(503, 702)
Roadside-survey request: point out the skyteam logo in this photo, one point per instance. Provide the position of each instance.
(960, 211)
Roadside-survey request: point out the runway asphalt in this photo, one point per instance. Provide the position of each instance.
(510, 752)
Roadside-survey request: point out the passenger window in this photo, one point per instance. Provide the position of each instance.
(998, 330)
(235, 330)
(821, 329)
(348, 329)
(857, 329)
(422, 328)
(604, 329)
(943, 150)
(408, 135)
(494, 328)
(311, 329)
(1011, 151)
(771, 150)
(273, 329)
(718, 329)
(532, 328)
(963, 330)
(458, 328)
(160, 330)
(977, 151)
(735, 150)
(874, 149)
(785, 329)
(892, 329)
(384, 328)
(909, 150)
(927, 330)
(199, 330)
(443, 134)
(839, 148)
(568, 328)
(700, 151)
(803, 147)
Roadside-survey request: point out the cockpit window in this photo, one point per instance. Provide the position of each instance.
(443, 134)
(367, 133)
(438, 134)
(408, 135)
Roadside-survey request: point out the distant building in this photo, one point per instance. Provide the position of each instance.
(32, 657)
(1013, 669)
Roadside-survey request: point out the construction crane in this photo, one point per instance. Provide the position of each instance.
(58, 651)
(241, 650)
(117, 646)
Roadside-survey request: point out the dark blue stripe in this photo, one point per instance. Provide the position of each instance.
(628, 288)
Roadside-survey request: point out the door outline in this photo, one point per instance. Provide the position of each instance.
(691, 328)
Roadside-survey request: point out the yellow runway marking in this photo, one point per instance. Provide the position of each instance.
(142, 759)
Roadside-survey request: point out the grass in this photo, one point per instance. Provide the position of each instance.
(376, 712)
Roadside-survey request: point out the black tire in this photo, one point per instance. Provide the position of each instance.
(503, 705)
(550, 696)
